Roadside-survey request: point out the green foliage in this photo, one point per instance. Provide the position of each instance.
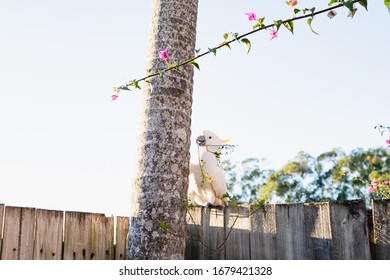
(247, 44)
(333, 175)
(194, 63)
(245, 178)
(259, 23)
(213, 50)
(387, 4)
(277, 24)
(164, 226)
(309, 21)
(290, 26)
(364, 3)
(334, 1)
(349, 5)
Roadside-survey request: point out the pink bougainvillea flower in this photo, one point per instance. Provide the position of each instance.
(114, 96)
(388, 141)
(371, 190)
(374, 182)
(274, 34)
(251, 15)
(385, 182)
(163, 54)
(291, 3)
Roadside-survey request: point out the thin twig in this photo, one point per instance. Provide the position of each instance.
(132, 83)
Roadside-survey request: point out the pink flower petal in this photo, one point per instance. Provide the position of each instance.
(163, 54)
(371, 190)
(274, 34)
(251, 15)
(114, 96)
(374, 182)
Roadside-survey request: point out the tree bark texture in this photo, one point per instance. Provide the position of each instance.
(158, 217)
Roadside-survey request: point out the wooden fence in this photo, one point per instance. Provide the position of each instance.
(329, 230)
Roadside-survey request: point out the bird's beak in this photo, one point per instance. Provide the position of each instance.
(225, 141)
(201, 140)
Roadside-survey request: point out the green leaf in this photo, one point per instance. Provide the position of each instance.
(387, 4)
(193, 62)
(259, 23)
(164, 226)
(175, 65)
(135, 84)
(290, 26)
(334, 1)
(309, 20)
(226, 195)
(305, 10)
(296, 11)
(225, 35)
(224, 43)
(278, 23)
(214, 51)
(349, 5)
(235, 35)
(247, 44)
(122, 88)
(364, 3)
(160, 73)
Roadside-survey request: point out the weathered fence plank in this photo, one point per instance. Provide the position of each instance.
(88, 236)
(318, 233)
(213, 227)
(194, 239)
(2, 208)
(290, 232)
(18, 234)
(334, 230)
(122, 228)
(263, 233)
(48, 235)
(349, 230)
(237, 233)
(381, 228)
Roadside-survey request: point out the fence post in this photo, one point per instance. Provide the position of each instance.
(318, 231)
(350, 238)
(88, 236)
(48, 235)
(381, 227)
(122, 229)
(194, 246)
(18, 235)
(263, 233)
(213, 228)
(237, 233)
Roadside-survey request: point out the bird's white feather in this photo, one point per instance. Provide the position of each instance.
(207, 182)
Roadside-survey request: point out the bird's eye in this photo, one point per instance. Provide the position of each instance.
(210, 137)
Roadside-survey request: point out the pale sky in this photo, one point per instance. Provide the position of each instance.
(65, 145)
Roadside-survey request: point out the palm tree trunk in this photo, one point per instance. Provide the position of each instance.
(158, 217)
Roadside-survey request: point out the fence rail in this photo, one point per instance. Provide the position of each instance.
(328, 230)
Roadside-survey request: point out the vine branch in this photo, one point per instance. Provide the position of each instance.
(349, 4)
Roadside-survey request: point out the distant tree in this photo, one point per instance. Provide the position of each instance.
(333, 175)
(245, 178)
(352, 173)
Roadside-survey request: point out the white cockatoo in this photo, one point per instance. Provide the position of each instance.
(207, 183)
